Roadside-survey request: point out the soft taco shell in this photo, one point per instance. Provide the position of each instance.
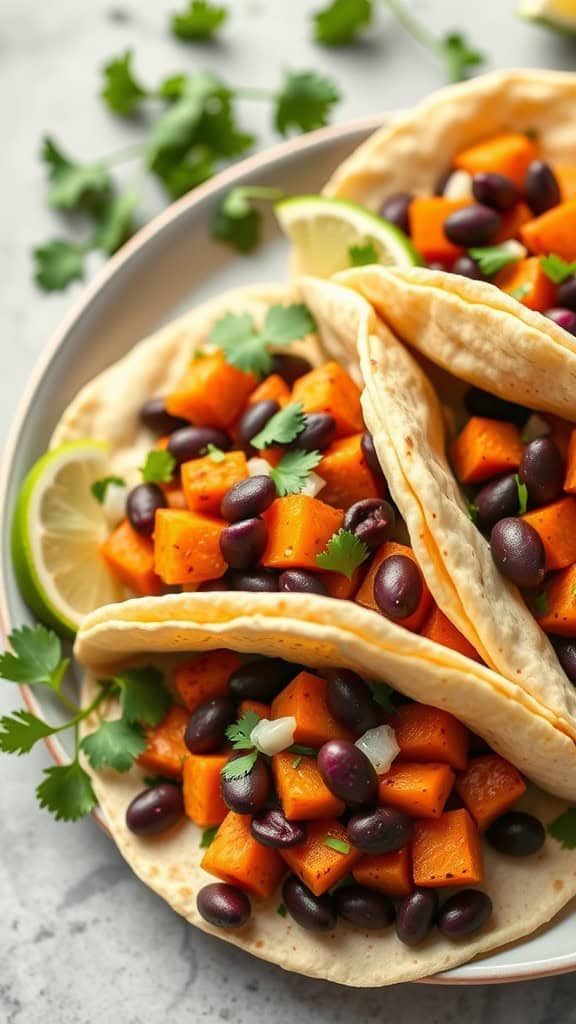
(526, 894)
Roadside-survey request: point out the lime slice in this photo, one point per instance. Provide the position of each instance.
(557, 14)
(56, 535)
(332, 234)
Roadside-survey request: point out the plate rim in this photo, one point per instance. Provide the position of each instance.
(563, 964)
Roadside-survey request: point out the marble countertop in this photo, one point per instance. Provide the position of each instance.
(81, 941)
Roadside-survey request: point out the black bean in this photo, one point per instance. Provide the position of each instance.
(372, 520)
(541, 187)
(300, 581)
(369, 453)
(566, 294)
(254, 420)
(467, 267)
(271, 828)
(565, 318)
(213, 586)
(242, 543)
(364, 907)
(398, 587)
(206, 729)
(416, 915)
(396, 210)
(482, 403)
(319, 432)
(141, 506)
(383, 830)
(350, 700)
(262, 680)
(155, 416)
(566, 652)
(248, 793)
(155, 810)
(315, 913)
(464, 913)
(517, 834)
(542, 469)
(248, 498)
(290, 366)
(192, 442)
(264, 581)
(495, 190)
(223, 905)
(348, 773)
(472, 225)
(496, 500)
(518, 552)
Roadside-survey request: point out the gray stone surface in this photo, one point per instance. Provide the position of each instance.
(81, 941)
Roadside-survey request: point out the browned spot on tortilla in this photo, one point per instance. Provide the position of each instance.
(374, 364)
(409, 442)
(185, 893)
(558, 885)
(259, 944)
(174, 873)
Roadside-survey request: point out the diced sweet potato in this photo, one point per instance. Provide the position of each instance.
(305, 699)
(485, 448)
(212, 393)
(389, 872)
(446, 851)
(236, 857)
(424, 733)
(365, 594)
(257, 706)
(303, 793)
(527, 282)
(439, 629)
(559, 616)
(346, 474)
(556, 524)
(204, 677)
(427, 216)
(318, 864)
(566, 178)
(273, 388)
(509, 153)
(299, 528)
(187, 547)
(340, 586)
(330, 389)
(131, 558)
(553, 232)
(489, 787)
(420, 790)
(166, 751)
(201, 788)
(205, 482)
(570, 481)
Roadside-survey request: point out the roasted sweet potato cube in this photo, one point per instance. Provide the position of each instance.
(489, 787)
(446, 851)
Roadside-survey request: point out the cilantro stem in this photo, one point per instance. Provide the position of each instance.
(123, 155)
(81, 713)
(414, 27)
(249, 92)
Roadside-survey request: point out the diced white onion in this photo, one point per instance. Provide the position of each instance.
(380, 747)
(258, 467)
(515, 248)
(273, 737)
(458, 186)
(535, 426)
(114, 504)
(313, 485)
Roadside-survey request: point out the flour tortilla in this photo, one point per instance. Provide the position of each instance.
(319, 633)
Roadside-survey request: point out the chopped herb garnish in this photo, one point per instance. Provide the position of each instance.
(121, 91)
(557, 269)
(341, 21)
(337, 844)
(297, 761)
(58, 263)
(303, 751)
(282, 428)
(208, 836)
(541, 603)
(343, 553)
(281, 909)
(362, 255)
(99, 487)
(472, 510)
(246, 347)
(239, 732)
(304, 101)
(382, 694)
(159, 467)
(240, 766)
(563, 829)
(493, 258)
(293, 470)
(199, 21)
(238, 220)
(114, 745)
(216, 454)
(521, 291)
(522, 495)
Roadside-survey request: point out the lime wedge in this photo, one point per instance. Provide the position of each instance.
(56, 535)
(557, 14)
(333, 234)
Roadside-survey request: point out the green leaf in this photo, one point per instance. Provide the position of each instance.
(177, 127)
(159, 467)
(304, 101)
(362, 255)
(37, 657)
(541, 603)
(237, 221)
(143, 695)
(282, 428)
(240, 766)
(239, 732)
(521, 291)
(343, 553)
(116, 221)
(458, 56)
(492, 258)
(66, 792)
(296, 762)
(99, 487)
(341, 21)
(298, 748)
(473, 511)
(382, 694)
(73, 184)
(215, 454)
(172, 87)
(522, 495)
(564, 829)
(122, 92)
(241, 344)
(114, 745)
(557, 269)
(199, 20)
(281, 910)
(284, 324)
(180, 174)
(58, 263)
(208, 836)
(293, 470)
(20, 731)
(337, 844)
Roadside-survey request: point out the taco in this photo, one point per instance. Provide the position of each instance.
(296, 810)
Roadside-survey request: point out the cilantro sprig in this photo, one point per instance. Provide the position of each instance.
(363, 255)
(342, 21)
(344, 552)
(282, 428)
(248, 348)
(293, 470)
(492, 258)
(238, 220)
(239, 734)
(563, 829)
(557, 269)
(158, 467)
(99, 487)
(199, 21)
(453, 50)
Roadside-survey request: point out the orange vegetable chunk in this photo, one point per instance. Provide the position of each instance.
(424, 733)
(318, 865)
(439, 629)
(346, 473)
(273, 388)
(212, 393)
(299, 528)
(485, 448)
(553, 232)
(509, 153)
(305, 699)
(257, 706)
(131, 558)
(236, 857)
(489, 787)
(187, 547)
(330, 389)
(174, 495)
(389, 872)
(165, 748)
(340, 586)
(204, 677)
(205, 482)
(420, 790)
(527, 282)
(512, 221)
(556, 524)
(365, 595)
(303, 794)
(560, 615)
(446, 851)
(566, 178)
(201, 788)
(570, 481)
(427, 216)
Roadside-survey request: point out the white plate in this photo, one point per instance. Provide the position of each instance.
(169, 265)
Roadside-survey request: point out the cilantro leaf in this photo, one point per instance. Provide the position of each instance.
(541, 603)
(557, 269)
(241, 343)
(58, 263)
(343, 553)
(200, 20)
(239, 732)
(181, 174)
(172, 87)
(337, 844)
(304, 101)
(302, 751)
(122, 92)
(20, 731)
(208, 836)
(362, 255)
(37, 657)
(240, 766)
(114, 745)
(382, 694)
(159, 467)
(237, 221)
(66, 792)
(282, 428)
(458, 56)
(99, 487)
(297, 762)
(341, 21)
(116, 221)
(291, 473)
(522, 495)
(564, 829)
(521, 291)
(282, 910)
(73, 184)
(492, 258)
(284, 324)
(143, 696)
(215, 454)
(473, 511)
